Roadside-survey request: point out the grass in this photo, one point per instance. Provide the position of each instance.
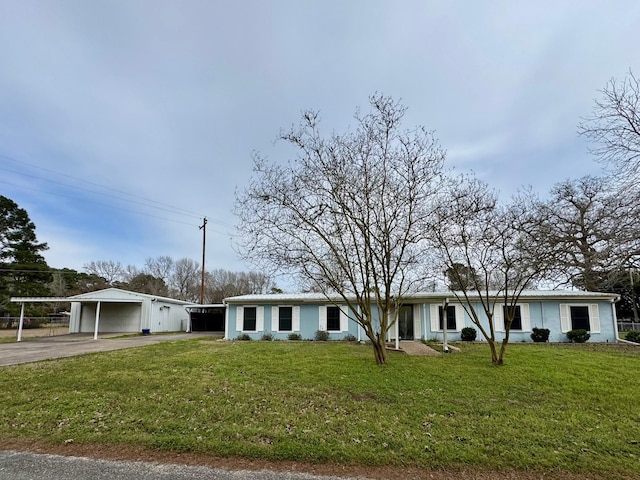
(568, 407)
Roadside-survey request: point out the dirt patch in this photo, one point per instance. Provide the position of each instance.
(46, 331)
(139, 454)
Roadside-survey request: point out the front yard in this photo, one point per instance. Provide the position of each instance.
(568, 408)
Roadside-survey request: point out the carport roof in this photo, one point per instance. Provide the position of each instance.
(73, 299)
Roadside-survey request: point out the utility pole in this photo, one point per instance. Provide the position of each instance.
(204, 243)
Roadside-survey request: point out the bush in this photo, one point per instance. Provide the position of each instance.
(468, 334)
(295, 336)
(578, 336)
(321, 336)
(540, 334)
(243, 337)
(350, 338)
(633, 336)
(267, 337)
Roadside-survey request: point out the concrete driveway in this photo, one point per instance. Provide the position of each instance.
(46, 348)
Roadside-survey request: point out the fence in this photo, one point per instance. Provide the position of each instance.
(628, 326)
(37, 326)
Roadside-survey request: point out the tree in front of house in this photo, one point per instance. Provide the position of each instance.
(350, 214)
(23, 269)
(490, 255)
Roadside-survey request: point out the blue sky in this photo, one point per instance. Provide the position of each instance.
(124, 122)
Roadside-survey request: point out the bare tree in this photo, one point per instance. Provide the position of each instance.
(160, 267)
(351, 213)
(593, 230)
(111, 271)
(185, 280)
(220, 284)
(614, 126)
(489, 252)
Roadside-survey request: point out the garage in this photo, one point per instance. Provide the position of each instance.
(114, 310)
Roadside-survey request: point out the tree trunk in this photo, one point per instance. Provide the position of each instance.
(379, 350)
(495, 358)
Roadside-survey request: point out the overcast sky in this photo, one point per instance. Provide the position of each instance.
(125, 122)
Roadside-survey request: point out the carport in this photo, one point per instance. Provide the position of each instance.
(207, 318)
(115, 310)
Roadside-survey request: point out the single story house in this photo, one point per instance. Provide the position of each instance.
(419, 317)
(114, 310)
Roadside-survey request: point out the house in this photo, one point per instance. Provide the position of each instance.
(116, 310)
(419, 317)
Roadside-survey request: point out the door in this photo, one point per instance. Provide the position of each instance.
(405, 325)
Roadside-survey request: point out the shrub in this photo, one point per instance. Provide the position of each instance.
(267, 337)
(540, 334)
(578, 336)
(321, 336)
(633, 336)
(468, 334)
(243, 337)
(350, 338)
(295, 336)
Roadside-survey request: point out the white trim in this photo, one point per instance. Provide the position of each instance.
(594, 316)
(322, 318)
(435, 317)
(259, 318)
(498, 318)
(275, 318)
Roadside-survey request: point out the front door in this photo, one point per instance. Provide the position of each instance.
(405, 325)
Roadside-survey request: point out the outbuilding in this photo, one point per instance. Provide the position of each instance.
(114, 310)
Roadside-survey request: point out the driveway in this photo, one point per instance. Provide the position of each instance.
(46, 348)
(28, 466)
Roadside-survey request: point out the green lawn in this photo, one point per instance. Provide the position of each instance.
(568, 407)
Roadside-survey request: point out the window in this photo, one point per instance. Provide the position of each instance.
(249, 322)
(451, 317)
(333, 319)
(516, 323)
(580, 318)
(285, 319)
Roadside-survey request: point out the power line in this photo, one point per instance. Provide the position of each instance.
(104, 187)
(149, 203)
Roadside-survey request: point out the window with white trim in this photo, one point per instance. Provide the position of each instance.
(455, 317)
(249, 319)
(285, 319)
(580, 316)
(332, 318)
(521, 319)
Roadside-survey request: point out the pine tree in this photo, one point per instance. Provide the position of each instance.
(23, 270)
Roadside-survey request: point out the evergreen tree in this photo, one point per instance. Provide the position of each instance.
(23, 270)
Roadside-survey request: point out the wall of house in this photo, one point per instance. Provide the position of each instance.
(307, 320)
(537, 314)
(541, 314)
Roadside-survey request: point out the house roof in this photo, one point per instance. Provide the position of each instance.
(530, 295)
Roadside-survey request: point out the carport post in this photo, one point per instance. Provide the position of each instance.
(21, 322)
(95, 332)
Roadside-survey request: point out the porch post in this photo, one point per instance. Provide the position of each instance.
(445, 319)
(397, 317)
(21, 322)
(95, 332)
